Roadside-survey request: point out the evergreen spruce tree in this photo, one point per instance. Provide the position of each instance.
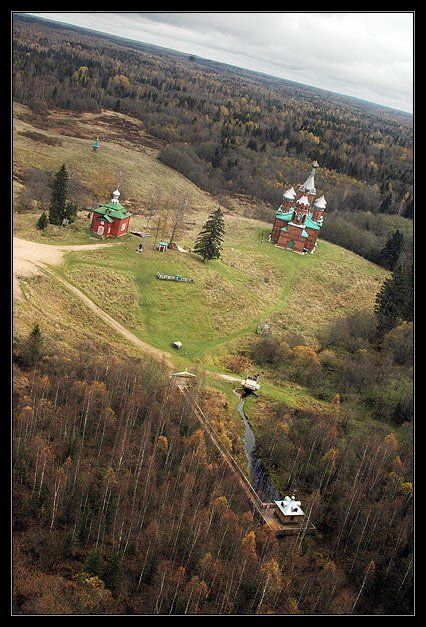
(391, 251)
(386, 205)
(32, 348)
(57, 210)
(70, 544)
(70, 211)
(113, 571)
(395, 301)
(93, 563)
(209, 241)
(42, 222)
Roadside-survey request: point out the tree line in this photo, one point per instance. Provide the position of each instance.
(226, 129)
(121, 505)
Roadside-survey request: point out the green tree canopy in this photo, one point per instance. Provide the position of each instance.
(395, 301)
(210, 239)
(58, 202)
(42, 222)
(32, 348)
(391, 251)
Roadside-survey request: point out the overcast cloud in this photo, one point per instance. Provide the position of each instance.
(366, 55)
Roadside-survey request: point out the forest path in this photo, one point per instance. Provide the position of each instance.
(264, 512)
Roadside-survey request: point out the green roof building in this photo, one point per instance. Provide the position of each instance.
(112, 219)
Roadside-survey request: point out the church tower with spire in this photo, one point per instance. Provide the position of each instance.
(299, 217)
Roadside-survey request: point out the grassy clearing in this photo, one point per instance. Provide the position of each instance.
(64, 319)
(253, 282)
(220, 311)
(215, 315)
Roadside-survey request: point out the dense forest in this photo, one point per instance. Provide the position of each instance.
(344, 456)
(121, 505)
(227, 129)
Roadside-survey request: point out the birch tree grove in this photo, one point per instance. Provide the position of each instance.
(360, 500)
(118, 487)
(126, 495)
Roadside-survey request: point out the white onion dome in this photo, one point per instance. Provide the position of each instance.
(290, 194)
(303, 201)
(320, 203)
(115, 196)
(309, 185)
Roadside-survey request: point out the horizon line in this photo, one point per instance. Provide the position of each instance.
(196, 56)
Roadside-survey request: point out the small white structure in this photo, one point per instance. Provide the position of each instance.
(116, 197)
(250, 383)
(289, 510)
(177, 344)
(262, 328)
(162, 247)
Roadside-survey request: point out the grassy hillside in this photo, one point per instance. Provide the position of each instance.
(253, 282)
(127, 155)
(64, 320)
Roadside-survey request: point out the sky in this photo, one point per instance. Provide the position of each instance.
(365, 55)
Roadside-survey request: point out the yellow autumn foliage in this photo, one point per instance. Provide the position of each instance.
(163, 443)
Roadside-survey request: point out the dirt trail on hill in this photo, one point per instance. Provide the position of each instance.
(32, 258)
(28, 255)
(146, 348)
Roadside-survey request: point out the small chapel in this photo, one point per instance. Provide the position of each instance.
(299, 217)
(112, 219)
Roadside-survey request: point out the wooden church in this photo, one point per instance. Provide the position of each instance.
(299, 217)
(111, 220)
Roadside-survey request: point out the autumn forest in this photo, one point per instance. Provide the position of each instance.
(122, 504)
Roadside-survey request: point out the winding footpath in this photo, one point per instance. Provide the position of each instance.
(27, 257)
(34, 258)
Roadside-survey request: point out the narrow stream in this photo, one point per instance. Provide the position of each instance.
(258, 476)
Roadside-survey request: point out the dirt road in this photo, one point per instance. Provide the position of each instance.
(32, 258)
(146, 348)
(29, 256)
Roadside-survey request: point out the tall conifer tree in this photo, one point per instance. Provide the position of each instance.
(32, 347)
(210, 239)
(395, 301)
(58, 202)
(391, 251)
